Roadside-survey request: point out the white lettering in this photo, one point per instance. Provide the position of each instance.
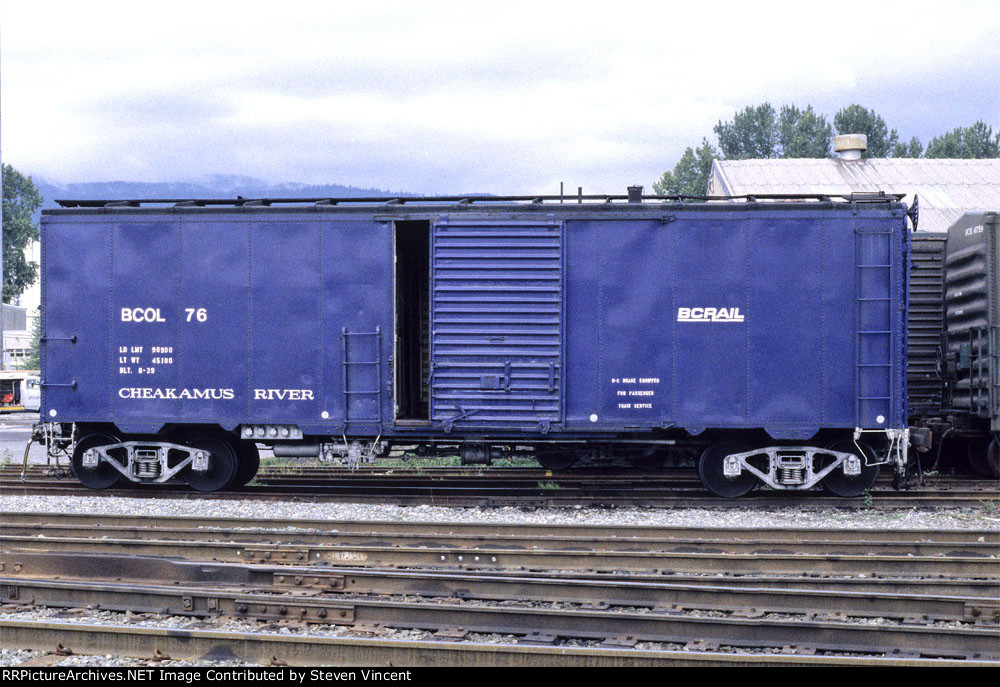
(142, 315)
(176, 394)
(283, 394)
(709, 315)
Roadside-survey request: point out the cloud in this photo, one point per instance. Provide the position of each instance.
(458, 97)
(152, 110)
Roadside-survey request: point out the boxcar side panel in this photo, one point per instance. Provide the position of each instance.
(357, 297)
(788, 320)
(213, 283)
(710, 271)
(286, 326)
(76, 313)
(146, 259)
(618, 323)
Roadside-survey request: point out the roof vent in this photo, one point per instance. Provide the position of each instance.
(850, 146)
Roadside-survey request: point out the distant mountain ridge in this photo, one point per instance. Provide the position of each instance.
(218, 186)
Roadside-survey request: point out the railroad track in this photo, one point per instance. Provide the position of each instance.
(517, 486)
(664, 594)
(679, 476)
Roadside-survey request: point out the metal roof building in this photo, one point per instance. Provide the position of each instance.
(947, 189)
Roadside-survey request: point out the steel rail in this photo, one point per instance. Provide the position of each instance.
(493, 582)
(499, 529)
(476, 474)
(754, 631)
(880, 599)
(436, 536)
(266, 649)
(416, 471)
(538, 497)
(491, 558)
(531, 484)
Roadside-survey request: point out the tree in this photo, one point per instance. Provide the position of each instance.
(690, 174)
(33, 360)
(803, 133)
(20, 202)
(912, 149)
(760, 132)
(976, 141)
(855, 119)
(753, 133)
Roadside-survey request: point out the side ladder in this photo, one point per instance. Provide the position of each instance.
(359, 380)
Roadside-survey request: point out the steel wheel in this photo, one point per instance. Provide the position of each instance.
(980, 458)
(710, 470)
(221, 464)
(249, 462)
(839, 484)
(993, 457)
(101, 477)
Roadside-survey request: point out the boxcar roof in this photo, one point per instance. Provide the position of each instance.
(590, 203)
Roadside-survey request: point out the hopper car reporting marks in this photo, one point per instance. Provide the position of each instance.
(766, 332)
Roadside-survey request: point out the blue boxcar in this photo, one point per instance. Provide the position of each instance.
(769, 334)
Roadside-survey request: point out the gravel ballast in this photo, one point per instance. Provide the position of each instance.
(802, 516)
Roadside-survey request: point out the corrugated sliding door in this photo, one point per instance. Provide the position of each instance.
(496, 323)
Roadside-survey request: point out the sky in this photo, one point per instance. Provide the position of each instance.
(440, 97)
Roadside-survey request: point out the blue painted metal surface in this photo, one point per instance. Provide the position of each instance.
(784, 362)
(555, 320)
(276, 292)
(496, 343)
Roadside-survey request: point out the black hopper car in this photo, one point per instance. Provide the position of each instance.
(953, 360)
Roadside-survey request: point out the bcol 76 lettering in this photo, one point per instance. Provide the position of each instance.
(154, 315)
